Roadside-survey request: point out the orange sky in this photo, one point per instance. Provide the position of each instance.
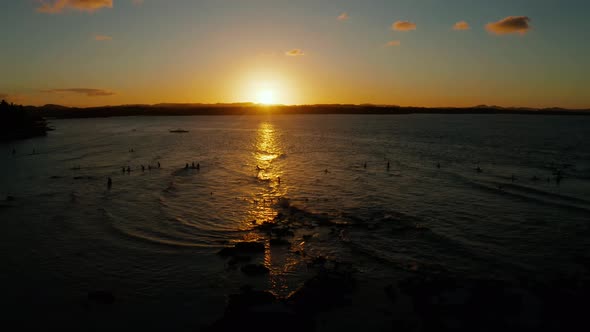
(425, 53)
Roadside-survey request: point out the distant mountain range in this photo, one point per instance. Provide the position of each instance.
(185, 109)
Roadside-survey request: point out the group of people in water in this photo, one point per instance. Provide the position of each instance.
(558, 173)
(128, 168)
(193, 166)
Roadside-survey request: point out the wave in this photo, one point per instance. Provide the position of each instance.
(526, 193)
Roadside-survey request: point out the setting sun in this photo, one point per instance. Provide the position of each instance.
(265, 97)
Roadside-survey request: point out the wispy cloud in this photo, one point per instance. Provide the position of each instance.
(84, 91)
(295, 52)
(103, 38)
(403, 26)
(343, 17)
(58, 6)
(459, 26)
(393, 43)
(509, 25)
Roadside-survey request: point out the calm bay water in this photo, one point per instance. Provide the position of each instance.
(151, 239)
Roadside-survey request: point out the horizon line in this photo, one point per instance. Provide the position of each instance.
(254, 104)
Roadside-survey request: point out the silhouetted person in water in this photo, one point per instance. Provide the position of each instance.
(478, 169)
(326, 171)
(365, 165)
(279, 179)
(198, 166)
(123, 169)
(158, 164)
(142, 168)
(186, 166)
(388, 165)
(437, 165)
(109, 182)
(128, 169)
(193, 165)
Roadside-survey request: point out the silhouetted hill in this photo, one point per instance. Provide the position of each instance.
(168, 109)
(16, 122)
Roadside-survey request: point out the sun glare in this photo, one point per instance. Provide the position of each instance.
(265, 97)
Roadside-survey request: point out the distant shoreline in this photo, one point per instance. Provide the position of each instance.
(57, 111)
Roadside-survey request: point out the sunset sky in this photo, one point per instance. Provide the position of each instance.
(405, 52)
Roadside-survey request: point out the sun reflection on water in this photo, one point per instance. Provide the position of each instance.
(268, 189)
(267, 198)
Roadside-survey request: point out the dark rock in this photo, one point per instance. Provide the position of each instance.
(261, 312)
(444, 304)
(266, 226)
(227, 251)
(319, 260)
(101, 297)
(283, 231)
(249, 299)
(242, 248)
(254, 269)
(391, 293)
(284, 203)
(249, 247)
(322, 292)
(279, 242)
(238, 259)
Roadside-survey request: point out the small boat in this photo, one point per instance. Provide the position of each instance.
(178, 131)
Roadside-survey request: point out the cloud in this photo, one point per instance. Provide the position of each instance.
(84, 91)
(295, 52)
(393, 43)
(343, 17)
(461, 26)
(58, 6)
(510, 24)
(403, 26)
(102, 38)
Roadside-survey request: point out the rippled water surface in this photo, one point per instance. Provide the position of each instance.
(152, 237)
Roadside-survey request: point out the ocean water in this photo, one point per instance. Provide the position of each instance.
(152, 238)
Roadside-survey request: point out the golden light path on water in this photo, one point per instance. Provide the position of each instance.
(266, 198)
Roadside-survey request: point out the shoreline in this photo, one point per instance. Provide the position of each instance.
(61, 112)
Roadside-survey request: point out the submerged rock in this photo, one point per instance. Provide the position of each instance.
(254, 269)
(249, 299)
(279, 242)
(259, 311)
(322, 292)
(250, 247)
(101, 297)
(238, 259)
(242, 248)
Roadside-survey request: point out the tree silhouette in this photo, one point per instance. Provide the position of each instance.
(18, 123)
